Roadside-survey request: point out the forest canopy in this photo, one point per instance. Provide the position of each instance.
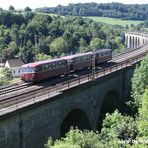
(33, 37)
(113, 10)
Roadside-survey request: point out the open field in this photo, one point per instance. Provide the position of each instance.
(115, 21)
(107, 20)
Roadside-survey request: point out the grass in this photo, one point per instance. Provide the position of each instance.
(115, 21)
(5, 81)
(107, 20)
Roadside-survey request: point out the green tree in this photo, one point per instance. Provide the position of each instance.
(41, 57)
(81, 139)
(27, 9)
(143, 118)
(9, 52)
(83, 45)
(139, 84)
(59, 46)
(15, 35)
(118, 126)
(11, 8)
(95, 43)
(6, 72)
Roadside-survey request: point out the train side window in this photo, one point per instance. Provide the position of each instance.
(50, 67)
(36, 69)
(63, 63)
(57, 65)
(39, 69)
(53, 65)
(46, 66)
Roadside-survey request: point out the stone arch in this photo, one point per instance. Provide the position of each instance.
(76, 118)
(110, 102)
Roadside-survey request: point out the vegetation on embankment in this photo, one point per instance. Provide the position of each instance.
(117, 130)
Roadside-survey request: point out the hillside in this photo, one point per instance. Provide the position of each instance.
(113, 10)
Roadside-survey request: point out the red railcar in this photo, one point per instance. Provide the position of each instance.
(79, 61)
(50, 68)
(45, 69)
(103, 55)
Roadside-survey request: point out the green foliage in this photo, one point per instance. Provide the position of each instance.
(113, 10)
(95, 43)
(83, 45)
(26, 34)
(11, 8)
(81, 139)
(143, 117)
(139, 84)
(119, 126)
(4, 82)
(116, 128)
(27, 9)
(41, 57)
(6, 72)
(59, 46)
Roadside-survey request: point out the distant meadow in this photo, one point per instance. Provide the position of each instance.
(115, 21)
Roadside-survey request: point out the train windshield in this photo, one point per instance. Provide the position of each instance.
(28, 69)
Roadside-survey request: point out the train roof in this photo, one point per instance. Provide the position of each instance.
(64, 58)
(103, 50)
(77, 55)
(43, 62)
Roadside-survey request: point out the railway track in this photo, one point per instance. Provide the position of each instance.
(24, 92)
(127, 55)
(13, 88)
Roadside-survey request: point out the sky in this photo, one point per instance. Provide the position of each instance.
(21, 4)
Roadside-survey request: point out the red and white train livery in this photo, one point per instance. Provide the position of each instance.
(37, 71)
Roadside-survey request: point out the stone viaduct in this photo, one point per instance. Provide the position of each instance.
(81, 106)
(135, 40)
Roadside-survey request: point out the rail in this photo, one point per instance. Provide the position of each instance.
(23, 100)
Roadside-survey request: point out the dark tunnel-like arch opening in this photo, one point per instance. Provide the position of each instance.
(110, 103)
(76, 118)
